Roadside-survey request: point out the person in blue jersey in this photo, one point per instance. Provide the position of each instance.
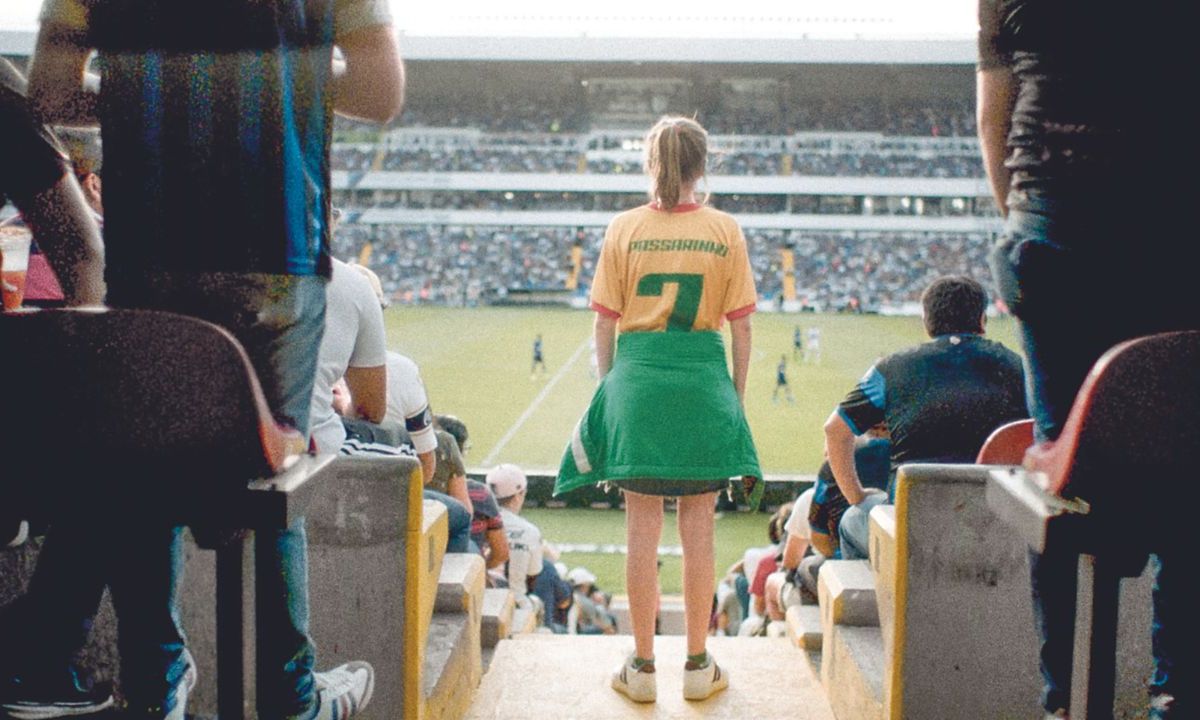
(216, 124)
(940, 400)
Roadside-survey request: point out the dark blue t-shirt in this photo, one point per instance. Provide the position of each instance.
(941, 399)
(216, 122)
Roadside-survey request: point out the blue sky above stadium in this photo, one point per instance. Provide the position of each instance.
(783, 19)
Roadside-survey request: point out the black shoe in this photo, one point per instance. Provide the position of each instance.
(21, 700)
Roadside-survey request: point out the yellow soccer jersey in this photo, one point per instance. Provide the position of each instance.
(687, 269)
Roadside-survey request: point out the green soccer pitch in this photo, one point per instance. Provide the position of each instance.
(476, 364)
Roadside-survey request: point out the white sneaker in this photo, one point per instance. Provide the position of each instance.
(344, 691)
(639, 685)
(702, 682)
(183, 689)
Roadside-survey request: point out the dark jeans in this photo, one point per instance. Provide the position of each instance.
(1081, 280)
(279, 321)
(553, 591)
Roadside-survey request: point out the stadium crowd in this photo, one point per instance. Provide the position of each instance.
(760, 162)
(565, 109)
(735, 203)
(454, 265)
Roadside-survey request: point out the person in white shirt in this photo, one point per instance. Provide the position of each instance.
(508, 483)
(354, 347)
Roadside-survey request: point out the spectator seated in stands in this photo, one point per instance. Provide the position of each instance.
(591, 615)
(796, 575)
(940, 400)
(487, 527)
(727, 607)
(872, 460)
(353, 352)
(525, 560)
(758, 564)
(554, 591)
(353, 360)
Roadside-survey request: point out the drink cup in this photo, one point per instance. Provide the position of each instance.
(14, 262)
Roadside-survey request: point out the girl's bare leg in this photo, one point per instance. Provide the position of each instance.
(699, 578)
(643, 528)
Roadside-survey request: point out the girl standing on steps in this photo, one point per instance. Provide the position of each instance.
(666, 419)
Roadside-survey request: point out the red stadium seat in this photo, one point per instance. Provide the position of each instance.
(1138, 412)
(1007, 444)
(1134, 426)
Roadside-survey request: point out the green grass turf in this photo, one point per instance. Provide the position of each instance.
(476, 364)
(735, 532)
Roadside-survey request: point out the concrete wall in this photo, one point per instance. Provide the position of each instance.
(358, 535)
(964, 640)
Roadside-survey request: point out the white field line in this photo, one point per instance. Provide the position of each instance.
(533, 406)
(614, 549)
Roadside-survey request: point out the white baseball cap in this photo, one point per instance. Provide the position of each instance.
(506, 480)
(581, 576)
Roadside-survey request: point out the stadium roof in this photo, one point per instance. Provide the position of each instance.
(787, 31)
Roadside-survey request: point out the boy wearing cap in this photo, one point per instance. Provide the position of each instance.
(590, 619)
(508, 483)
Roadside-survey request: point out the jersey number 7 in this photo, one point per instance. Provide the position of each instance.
(689, 287)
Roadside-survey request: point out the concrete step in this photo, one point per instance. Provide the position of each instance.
(852, 671)
(671, 620)
(568, 676)
(804, 626)
(496, 616)
(435, 524)
(460, 584)
(846, 593)
(452, 666)
(524, 621)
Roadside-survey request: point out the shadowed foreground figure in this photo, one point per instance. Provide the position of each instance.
(216, 123)
(1084, 136)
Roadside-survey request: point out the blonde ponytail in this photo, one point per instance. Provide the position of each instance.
(676, 153)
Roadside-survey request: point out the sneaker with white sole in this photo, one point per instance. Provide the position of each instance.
(344, 691)
(179, 695)
(703, 681)
(13, 532)
(70, 696)
(636, 683)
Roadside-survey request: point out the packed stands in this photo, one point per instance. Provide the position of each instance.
(470, 265)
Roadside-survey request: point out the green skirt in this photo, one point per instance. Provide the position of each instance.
(666, 411)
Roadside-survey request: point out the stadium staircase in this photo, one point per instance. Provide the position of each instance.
(567, 676)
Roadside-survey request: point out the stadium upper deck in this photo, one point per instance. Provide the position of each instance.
(853, 118)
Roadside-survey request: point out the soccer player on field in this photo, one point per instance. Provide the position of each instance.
(667, 419)
(539, 359)
(781, 382)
